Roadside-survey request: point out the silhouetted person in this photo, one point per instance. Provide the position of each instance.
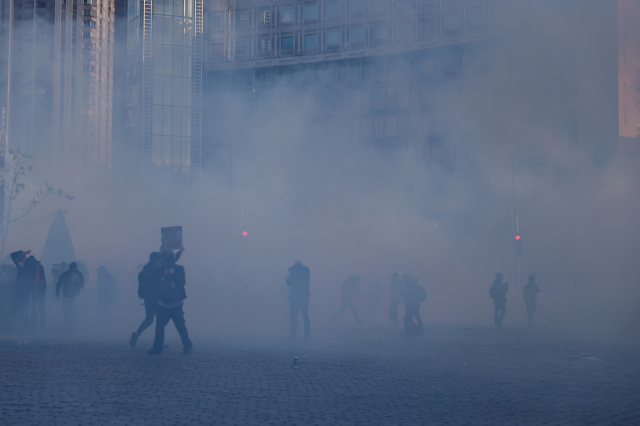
(107, 293)
(148, 281)
(38, 295)
(498, 293)
(71, 282)
(171, 293)
(395, 290)
(349, 287)
(27, 268)
(413, 295)
(298, 280)
(530, 295)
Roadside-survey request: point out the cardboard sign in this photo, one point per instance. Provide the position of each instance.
(171, 237)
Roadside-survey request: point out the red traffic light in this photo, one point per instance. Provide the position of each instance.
(244, 233)
(517, 237)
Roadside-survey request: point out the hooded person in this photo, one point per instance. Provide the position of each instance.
(298, 279)
(27, 268)
(530, 296)
(498, 293)
(171, 296)
(70, 282)
(148, 281)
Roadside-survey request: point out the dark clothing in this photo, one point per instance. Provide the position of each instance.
(498, 293)
(150, 309)
(298, 280)
(171, 286)
(71, 283)
(37, 300)
(163, 315)
(24, 286)
(530, 295)
(301, 305)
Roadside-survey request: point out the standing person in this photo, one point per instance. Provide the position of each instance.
(171, 293)
(298, 279)
(413, 295)
(71, 282)
(148, 280)
(107, 293)
(25, 283)
(395, 289)
(349, 287)
(498, 293)
(530, 296)
(38, 295)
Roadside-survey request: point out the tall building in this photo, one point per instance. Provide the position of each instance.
(164, 88)
(57, 76)
(385, 72)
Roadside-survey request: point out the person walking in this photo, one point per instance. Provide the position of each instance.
(148, 281)
(171, 295)
(27, 267)
(395, 290)
(71, 282)
(530, 296)
(413, 295)
(38, 296)
(498, 293)
(298, 279)
(349, 287)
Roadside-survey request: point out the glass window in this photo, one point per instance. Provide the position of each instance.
(186, 92)
(429, 26)
(177, 61)
(310, 41)
(177, 120)
(311, 12)
(357, 35)
(166, 150)
(380, 32)
(380, 5)
(287, 15)
(333, 9)
(287, 43)
(333, 38)
(357, 7)
(452, 23)
(177, 91)
(242, 19)
(403, 30)
(166, 120)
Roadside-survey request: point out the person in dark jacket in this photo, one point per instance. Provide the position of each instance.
(395, 289)
(498, 293)
(148, 280)
(27, 268)
(171, 294)
(298, 279)
(349, 287)
(38, 295)
(107, 293)
(413, 295)
(530, 296)
(71, 282)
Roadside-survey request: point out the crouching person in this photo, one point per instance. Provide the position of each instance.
(171, 293)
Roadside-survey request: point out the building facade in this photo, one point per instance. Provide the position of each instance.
(57, 82)
(164, 87)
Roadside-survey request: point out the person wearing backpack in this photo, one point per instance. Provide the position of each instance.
(413, 295)
(148, 280)
(171, 294)
(71, 282)
(498, 293)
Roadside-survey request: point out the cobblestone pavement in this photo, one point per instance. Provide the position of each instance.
(451, 376)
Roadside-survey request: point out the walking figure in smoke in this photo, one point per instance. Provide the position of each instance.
(298, 280)
(396, 297)
(348, 288)
(498, 293)
(148, 280)
(530, 295)
(413, 295)
(171, 294)
(71, 282)
(27, 269)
